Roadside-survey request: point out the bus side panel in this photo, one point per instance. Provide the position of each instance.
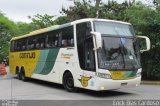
(65, 62)
(45, 68)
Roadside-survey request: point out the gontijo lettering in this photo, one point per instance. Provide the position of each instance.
(27, 55)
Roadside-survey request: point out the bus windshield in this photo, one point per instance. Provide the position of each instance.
(118, 53)
(114, 29)
(119, 47)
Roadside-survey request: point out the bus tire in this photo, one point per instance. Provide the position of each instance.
(68, 82)
(18, 73)
(22, 75)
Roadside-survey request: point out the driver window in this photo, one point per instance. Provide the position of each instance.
(89, 54)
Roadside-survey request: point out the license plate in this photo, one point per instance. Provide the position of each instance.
(117, 75)
(123, 84)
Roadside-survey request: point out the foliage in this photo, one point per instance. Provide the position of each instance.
(61, 20)
(81, 10)
(7, 30)
(42, 21)
(24, 28)
(147, 22)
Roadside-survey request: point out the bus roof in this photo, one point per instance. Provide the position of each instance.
(36, 32)
(95, 19)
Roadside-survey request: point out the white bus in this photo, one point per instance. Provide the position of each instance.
(95, 54)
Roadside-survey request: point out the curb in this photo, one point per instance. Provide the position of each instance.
(150, 82)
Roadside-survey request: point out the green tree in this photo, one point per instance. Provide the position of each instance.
(61, 20)
(146, 22)
(86, 9)
(24, 28)
(82, 9)
(7, 30)
(42, 21)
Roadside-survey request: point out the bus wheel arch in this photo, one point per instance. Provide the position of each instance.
(68, 81)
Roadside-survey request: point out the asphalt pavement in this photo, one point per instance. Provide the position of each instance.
(13, 89)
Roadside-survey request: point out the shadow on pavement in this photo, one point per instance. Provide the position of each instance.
(102, 94)
(44, 83)
(99, 94)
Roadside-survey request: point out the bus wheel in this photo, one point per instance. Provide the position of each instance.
(18, 73)
(68, 82)
(22, 75)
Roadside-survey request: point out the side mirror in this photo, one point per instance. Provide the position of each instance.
(147, 41)
(98, 39)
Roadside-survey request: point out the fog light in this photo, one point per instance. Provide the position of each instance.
(102, 87)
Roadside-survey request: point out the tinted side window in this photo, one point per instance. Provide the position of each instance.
(19, 45)
(36, 42)
(67, 37)
(60, 38)
(15, 46)
(12, 48)
(31, 43)
(57, 38)
(40, 41)
(24, 44)
(52, 39)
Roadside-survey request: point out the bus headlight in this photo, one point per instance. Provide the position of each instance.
(103, 75)
(138, 74)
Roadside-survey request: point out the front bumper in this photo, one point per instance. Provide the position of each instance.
(110, 84)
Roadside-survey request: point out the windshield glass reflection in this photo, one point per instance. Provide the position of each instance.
(118, 53)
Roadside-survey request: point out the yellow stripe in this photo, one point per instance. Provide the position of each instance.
(35, 32)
